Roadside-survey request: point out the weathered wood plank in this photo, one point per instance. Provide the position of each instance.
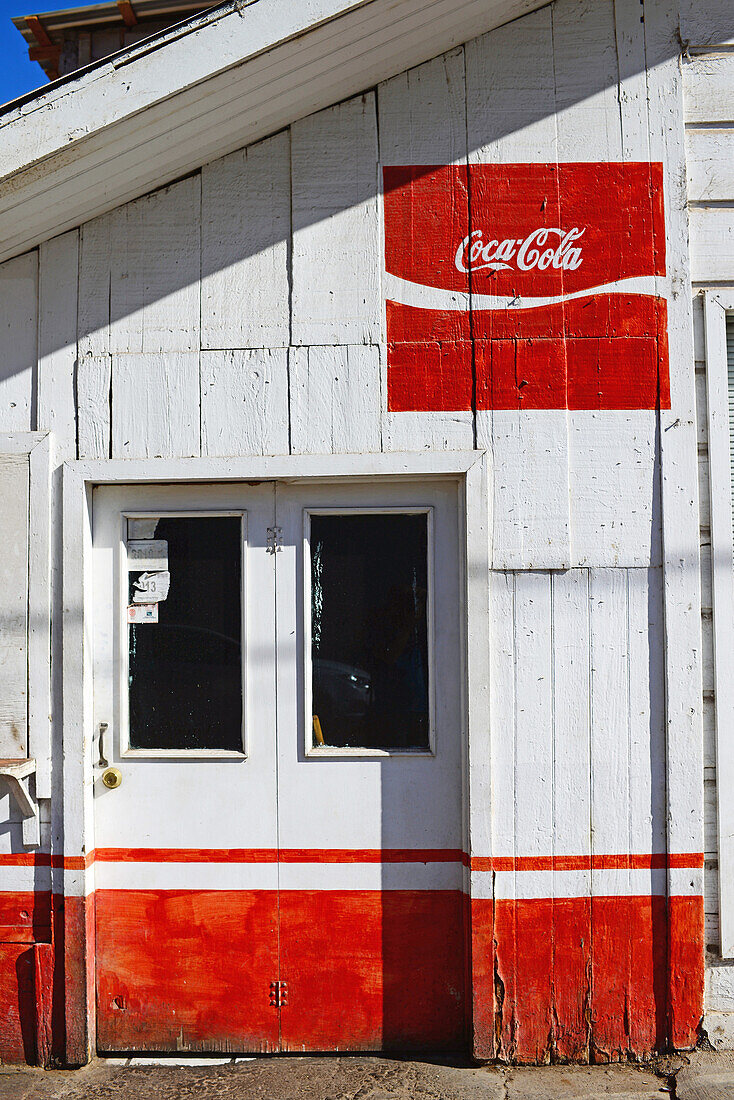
(427, 431)
(712, 244)
(335, 399)
(56, 412)
(14, 607)
(699, 346)
(586, 81)
(155, 257)
(591, 50)
(706, 24)
(502, 709)
(612, 455)
(708, 86)
(710, 164)
(422, 117)
(511, 100)
(510, 92)
(706, 585)
(534, 821)
(571, 711)
(155, 405)
(613, 483)
(717, 594)
(336, 291)
(44, 612)
(244, 402)
(94, 371)
(704, 492)
(18, 340)
(245, 231)
(531, 489)
(502, 668)
(422, 113)
(610, 788)
(679, 500)
(646, 710)
(632, 89)
(94, 389)
(571, 777)
(94, 286)
(57, 342)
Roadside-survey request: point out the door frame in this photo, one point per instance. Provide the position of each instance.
(469, 468)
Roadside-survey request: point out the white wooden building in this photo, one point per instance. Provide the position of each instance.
(365, 477)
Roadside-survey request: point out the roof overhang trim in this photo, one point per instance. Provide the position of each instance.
(217, 82)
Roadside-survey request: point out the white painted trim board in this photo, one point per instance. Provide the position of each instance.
(716, 305)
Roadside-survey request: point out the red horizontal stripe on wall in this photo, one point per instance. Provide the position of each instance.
(76, 863)
(615, 862)
(285, 855)
(45, 859)
(686, 860)
(371, 855)
(25, 859)
(186, 855)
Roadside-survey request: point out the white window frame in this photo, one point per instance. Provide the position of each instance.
(717, 304)
(122, 630)
(313, 751)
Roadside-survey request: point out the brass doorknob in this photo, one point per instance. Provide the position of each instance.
(112, 778)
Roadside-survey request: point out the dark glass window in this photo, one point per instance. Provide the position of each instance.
(369, 633)
(185, 669)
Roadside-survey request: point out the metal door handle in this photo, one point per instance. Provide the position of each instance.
(102, 758)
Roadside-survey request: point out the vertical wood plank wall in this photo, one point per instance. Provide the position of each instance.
(240, 311)
(708, 78)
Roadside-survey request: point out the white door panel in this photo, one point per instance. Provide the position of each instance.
(186, 799)
(301, 888)
(186, 845)
(354, 800)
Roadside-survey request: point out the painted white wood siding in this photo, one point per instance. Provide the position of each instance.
(14, 478)
(279, 246)
(708, 75)
(240, 311)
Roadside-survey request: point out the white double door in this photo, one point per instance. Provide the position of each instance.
(278, 766)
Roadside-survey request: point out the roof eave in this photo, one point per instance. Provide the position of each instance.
(214, 83)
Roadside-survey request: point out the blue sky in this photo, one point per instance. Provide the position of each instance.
(17, 74)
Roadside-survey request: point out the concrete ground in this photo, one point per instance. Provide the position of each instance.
(362, 1078)
(699, 1076)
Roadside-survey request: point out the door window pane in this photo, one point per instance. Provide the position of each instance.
(369, 633)
(185, 651)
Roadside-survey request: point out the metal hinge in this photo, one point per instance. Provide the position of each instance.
(275, 539)
(278, 994)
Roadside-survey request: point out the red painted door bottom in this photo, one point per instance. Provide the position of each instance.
(186, 970)
(295, 970)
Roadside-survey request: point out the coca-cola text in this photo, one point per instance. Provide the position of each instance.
(528, 252)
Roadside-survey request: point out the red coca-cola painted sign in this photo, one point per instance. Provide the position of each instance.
(525, 286)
